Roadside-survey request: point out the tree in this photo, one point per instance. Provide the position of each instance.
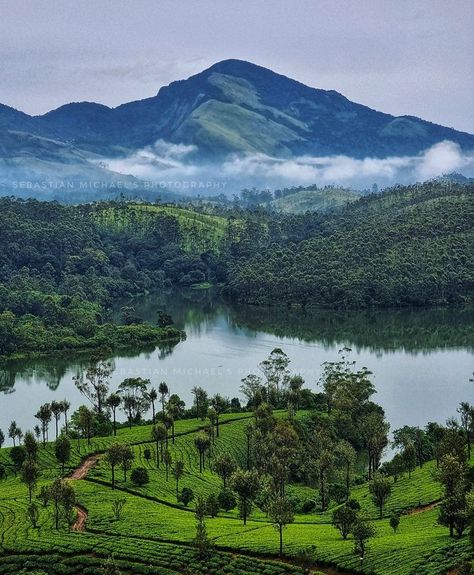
(63, 497)
(186, 496)
(466, 412)
(2, 438)
(224, 465)
(118, 505)
(135, 398)
(201, 540)
(18, 456)
(201, 402)
(346, 455)
(32, 512)
(226, 500)
(202, 444)
(380, 488)
(56, 410)
(212, 505)
(44, 495)
(178, 472)
(44, 414)
(168, 460)
(153, 396)
(295, 386)
(13, 432)
(280, 513)
(375, 430)
(219, 404)
(452, 512)
(126, 458)
(140, 476)
(62, 450)
(158, 435)
(253, 389)
(31, 446)
(29, 475)
(275, 370)
(113, 456)
(65, 409)
(395, 521)
(94, 384)
(85, 422)
(246, 484)
(362, 532)
(409, 458)
(343, 519)
(113, 402)
(163, 391)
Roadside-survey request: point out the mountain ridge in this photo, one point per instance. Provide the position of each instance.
(233, 108)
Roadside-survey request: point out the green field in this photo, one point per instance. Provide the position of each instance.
(155, 533)
(196, 232)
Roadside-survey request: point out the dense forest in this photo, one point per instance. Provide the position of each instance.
(62, 268)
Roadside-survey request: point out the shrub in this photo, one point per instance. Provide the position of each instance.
(186, 496)
(140, 476)
(308, 506)
(227, 500)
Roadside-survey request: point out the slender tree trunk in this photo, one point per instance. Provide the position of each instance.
(115, 424)
(113, 476)
(281, 539)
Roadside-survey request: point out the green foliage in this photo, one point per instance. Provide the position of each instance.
(139, 476)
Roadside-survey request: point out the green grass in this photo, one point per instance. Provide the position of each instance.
(197, 232)
(155, 533)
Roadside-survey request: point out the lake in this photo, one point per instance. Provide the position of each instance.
(421, 360)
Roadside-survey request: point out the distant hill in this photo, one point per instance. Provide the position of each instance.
(314, 200)
(233, 107)
(408, 246)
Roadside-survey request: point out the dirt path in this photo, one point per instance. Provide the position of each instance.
(80, 523)
(82, 471)
(422, 508)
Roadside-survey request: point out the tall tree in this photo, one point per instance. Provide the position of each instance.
(247, 485)
(178, 472)
(94, 384)
(44, 415)
(280, 513)
(113, 402)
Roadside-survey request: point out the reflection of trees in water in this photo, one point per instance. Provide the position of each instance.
(47, 370)
(53, 370)
(415, 330)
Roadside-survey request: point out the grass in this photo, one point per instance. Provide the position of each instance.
(155, 533)
(196, 232)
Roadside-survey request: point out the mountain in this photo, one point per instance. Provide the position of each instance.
(232, 107)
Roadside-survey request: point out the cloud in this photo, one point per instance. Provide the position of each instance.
(165, 161)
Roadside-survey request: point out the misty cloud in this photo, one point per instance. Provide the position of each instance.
(171, 162)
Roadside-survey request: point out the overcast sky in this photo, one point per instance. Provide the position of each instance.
(399, 56)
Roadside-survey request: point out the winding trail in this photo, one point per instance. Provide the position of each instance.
(81, 472)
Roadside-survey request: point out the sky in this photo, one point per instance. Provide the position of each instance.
(398, 56)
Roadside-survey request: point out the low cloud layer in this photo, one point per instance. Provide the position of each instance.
(167, 162)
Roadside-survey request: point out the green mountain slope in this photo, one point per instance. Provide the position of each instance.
(408, 246)
(316, 200)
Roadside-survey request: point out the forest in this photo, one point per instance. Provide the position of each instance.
(64, 269)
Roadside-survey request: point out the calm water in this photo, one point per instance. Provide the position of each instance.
(421, 360)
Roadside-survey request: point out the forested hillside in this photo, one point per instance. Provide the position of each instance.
(406, 246)
(62, 268)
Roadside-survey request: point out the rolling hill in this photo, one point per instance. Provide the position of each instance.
(314, 200)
